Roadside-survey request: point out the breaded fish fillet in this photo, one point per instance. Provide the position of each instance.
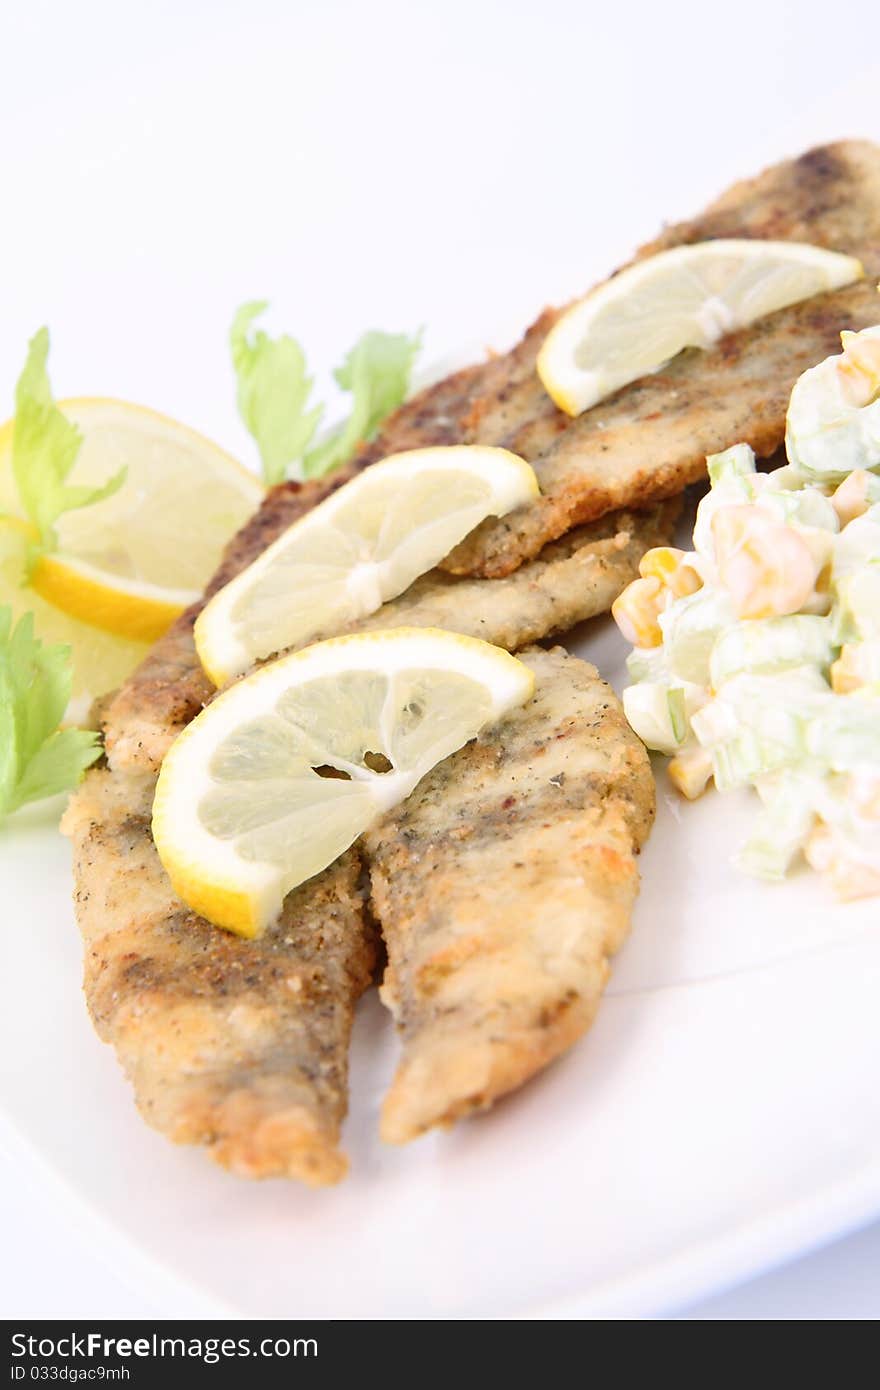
(502, 885)
(651, 438)
(169, 687)
(576, 578)
(241, 1046)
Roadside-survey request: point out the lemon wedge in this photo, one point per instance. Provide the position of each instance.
(130, 563)
(362, 545)
(687, 297)
(285, 769)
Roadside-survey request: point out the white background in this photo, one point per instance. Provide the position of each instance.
(453, 165)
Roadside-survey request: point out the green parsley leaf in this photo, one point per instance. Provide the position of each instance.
(377, 373)
(273, 391)
(37, 759)
(45, 445)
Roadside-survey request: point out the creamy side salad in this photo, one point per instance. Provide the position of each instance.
(756, 655)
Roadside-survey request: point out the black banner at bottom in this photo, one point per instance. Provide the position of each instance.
(261, 1353)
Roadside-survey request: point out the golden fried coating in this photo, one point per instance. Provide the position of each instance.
(574, 579)
(169, 687)
(502, 885)
(240, 1046)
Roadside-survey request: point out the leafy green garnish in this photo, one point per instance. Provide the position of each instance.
(273, 394)
(45, 445)
(273, 390)
(37, 759)
(377, 373)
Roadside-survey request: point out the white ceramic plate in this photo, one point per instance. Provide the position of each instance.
(722, 1115)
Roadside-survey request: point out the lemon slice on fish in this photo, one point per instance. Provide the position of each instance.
(361, 546)
(285, 769)
(130, 563)
(687, 297)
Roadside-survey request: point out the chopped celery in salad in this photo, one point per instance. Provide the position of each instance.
(756, 656)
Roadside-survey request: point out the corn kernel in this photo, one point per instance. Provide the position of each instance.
(689, 772)
(819, 849)
(670, 566)
(637, 609)
(848, 878)
(845, 674)
(766, 567)
(851, 498)
(859, 368)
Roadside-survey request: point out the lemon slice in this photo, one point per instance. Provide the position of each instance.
(129, 564)
(100, 662)
(363, 545)
(687, 297)
(126, 607)
(283, 771)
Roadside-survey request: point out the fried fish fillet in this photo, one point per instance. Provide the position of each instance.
(651, 438)
(574, 579)
(169, 687)
(502, 885)
(241, 1046)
